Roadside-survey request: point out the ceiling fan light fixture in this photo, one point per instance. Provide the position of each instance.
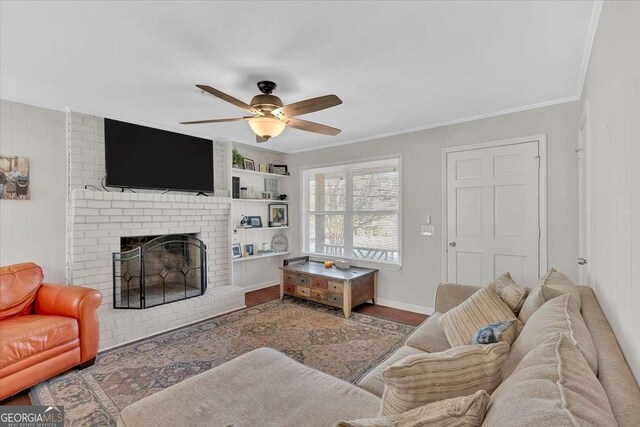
(267, 127)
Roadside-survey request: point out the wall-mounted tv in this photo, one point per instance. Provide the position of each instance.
(142, 157)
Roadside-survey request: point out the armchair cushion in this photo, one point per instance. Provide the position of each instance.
(25, 336)
(19, 284)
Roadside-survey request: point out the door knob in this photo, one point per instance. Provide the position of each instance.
(452, 243)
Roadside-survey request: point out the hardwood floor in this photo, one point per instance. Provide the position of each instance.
(271, 293)
(407, 317)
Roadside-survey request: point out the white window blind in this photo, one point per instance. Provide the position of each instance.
(353, 211)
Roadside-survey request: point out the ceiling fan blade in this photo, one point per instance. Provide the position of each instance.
(230, 99)
(261, 139)
(307, 106)
(236, 119)
(312, 127)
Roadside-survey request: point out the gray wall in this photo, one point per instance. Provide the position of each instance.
(415, 284)
(34, 230)
(612, 92)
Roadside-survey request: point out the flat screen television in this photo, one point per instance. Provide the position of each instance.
(142, 157)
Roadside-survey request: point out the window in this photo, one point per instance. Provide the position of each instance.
(353, 211)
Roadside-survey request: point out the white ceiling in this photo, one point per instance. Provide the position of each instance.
(397, 66)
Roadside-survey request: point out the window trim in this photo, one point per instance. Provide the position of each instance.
(304, 193)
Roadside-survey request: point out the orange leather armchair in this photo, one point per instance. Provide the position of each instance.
(44, 329)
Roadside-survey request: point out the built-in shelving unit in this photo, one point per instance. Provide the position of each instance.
(263, 269)
(256, 257)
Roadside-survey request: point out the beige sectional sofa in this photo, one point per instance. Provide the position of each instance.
(266, 388)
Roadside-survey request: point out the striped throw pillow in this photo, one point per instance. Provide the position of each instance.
(421, 379)
(467, 411)
(480, 309)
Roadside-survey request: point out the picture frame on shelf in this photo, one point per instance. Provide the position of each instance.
(266, 195)
(249, 165)
(279, 213)
(249, 249)
(236, 251)
(255, 221)
(280, 170)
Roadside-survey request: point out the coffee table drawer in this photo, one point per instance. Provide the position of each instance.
(290, 289)
(290, 278)
(318, 294)
(335, 286)
(318, 283)
(303, 281)
(302, 291)
(335, 298)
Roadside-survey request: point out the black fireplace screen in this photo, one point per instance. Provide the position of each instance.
(159, 271)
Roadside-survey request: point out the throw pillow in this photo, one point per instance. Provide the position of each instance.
(512, 294)
(557, 315)
(552, 386)
(480, 309)
(534, 301)
(420, 379)
(454, 412)
(491, 333)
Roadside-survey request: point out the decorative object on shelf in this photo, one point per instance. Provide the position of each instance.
(237, 159)
(271, 186)
(275, 224)
(269, 116)
(279, 213)
(249, 165)
(283, 197)
(266, 252)
(235, 187)
(343, 265)
(265, 246)
(249, 249)
(236, 251)
(280, 170)
(245, 223)
(244, 193)
(14, 178)
(255, 221)
(266, 195)
(279, 243)
(262, 167)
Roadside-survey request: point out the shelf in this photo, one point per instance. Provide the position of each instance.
(262, 200)
(249, 258)
(262, 228)
(238, 172)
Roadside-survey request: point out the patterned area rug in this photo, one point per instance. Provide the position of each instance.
(318, 336)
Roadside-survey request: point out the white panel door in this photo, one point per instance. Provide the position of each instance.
(493, 214)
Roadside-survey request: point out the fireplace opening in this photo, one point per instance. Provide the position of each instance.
(155, 270)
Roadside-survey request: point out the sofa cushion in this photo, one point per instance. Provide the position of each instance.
(467, 411)
(428, 377)
(554, 284)
(19, 284)
(429, 336)
(25, 336)
(557, 315)
(512, 294)
(532, 303)
(373, 382)
(260, 388)
(480, 309)
(552, 386)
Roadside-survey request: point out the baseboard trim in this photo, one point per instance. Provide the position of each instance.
(404, 306)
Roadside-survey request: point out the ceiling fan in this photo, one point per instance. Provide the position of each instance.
(269, 116)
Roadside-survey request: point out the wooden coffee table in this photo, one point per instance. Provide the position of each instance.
(335, 287)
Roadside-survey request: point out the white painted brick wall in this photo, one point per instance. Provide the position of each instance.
(96, 220)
